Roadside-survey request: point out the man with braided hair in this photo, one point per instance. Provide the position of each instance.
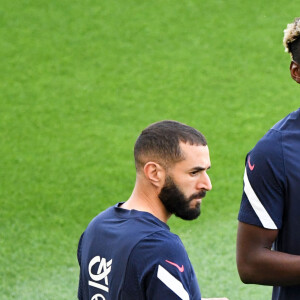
(268, 239)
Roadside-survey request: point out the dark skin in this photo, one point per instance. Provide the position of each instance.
(256, 262)
(295, 71)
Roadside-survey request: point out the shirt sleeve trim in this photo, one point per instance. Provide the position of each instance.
(256, 204)
(172, 283)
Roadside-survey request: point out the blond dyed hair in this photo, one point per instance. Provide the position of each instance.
(291, 33)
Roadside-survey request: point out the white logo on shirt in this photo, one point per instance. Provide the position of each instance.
(103, 270)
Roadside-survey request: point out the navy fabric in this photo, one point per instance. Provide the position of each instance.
(119, 255)
(273, 170)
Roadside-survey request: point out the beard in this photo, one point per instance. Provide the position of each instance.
(177, 203)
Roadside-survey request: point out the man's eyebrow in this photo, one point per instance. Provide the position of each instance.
(198, 169)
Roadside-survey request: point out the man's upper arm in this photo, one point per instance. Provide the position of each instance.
(253, 243)
(257, 263)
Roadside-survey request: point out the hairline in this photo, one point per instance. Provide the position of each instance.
(169, 163)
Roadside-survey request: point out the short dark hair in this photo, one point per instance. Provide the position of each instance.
(160, 142)
(295, 50)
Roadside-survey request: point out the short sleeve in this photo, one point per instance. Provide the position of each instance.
(159, 268)
(264, 183)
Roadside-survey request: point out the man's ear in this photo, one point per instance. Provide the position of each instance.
(295, 71)
(155, 173)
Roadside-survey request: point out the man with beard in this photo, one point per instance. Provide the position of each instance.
(128, 252)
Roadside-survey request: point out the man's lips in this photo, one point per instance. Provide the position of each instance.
(198, 196)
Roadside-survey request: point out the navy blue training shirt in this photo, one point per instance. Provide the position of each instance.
(271, 197)
(128, 254)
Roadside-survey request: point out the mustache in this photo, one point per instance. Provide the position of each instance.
(201, 195)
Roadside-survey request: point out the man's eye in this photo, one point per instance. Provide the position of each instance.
(194, 173)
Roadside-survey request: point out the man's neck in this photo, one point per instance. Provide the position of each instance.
(147, 201)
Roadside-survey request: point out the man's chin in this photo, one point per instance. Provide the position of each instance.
(189, 215)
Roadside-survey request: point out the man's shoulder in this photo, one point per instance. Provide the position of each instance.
(161, 243)
(284, 133)
(163, 237)
(160, 248)
(289, 123)
(108, 212)
(126, 228)
(268, 148)
(266, 143)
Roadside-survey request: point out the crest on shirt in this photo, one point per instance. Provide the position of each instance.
(99, 270)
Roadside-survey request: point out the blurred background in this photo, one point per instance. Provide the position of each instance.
(79, 80)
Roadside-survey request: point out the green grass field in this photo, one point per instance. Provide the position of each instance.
(80, 79)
